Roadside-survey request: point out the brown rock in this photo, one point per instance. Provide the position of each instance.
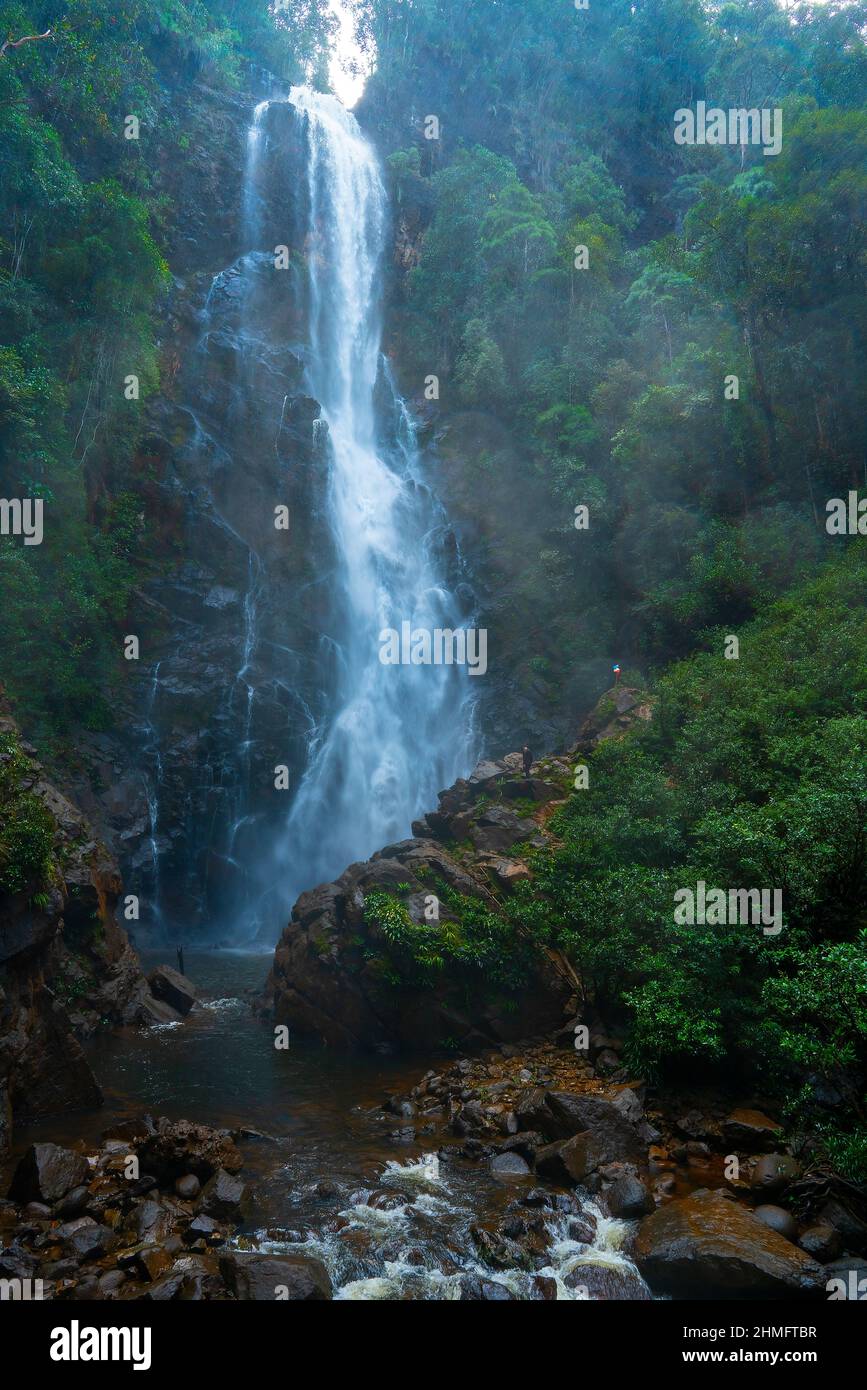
(709, 1245)
(266, 1278)
(751, 1130)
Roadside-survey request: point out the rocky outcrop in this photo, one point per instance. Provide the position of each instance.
(65, 962)
(334, 967)
(333, 972)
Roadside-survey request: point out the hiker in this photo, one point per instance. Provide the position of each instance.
(528, 760)
(616, 669)
(180, 951)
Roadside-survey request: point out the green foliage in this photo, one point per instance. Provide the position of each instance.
(752, 772)
(605, 385)
(26, 827)
(473, 943)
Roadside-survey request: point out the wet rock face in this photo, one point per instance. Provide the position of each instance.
(232, 666)
(65, 965)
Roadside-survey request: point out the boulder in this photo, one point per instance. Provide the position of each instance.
(182, 1147)
(779, 1220)
(822, 1242)
(480, 1290)
(498, 829)
(265, 1278)
(151, 1010)
(172, 988)
(604, 1283)
(773, 1173)
(223, 1195)
(570, 1160)
(568, 1113)
(509, 1165)
(750, 1130)
(46, 1173)
(708, 1245)
(628, 1197)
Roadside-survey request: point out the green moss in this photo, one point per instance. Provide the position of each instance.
(26, 827)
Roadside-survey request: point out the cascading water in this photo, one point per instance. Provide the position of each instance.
(272, 657)
(394, 734)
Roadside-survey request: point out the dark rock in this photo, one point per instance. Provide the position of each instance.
(85, 1238)
(773, 1173)
(604, 1283)
(779, 1220)
(708, 1245)
(478, 1289)
(181, 1147)
(188, 1186)
(629, 1198)
(846, 1279)
(172, 988)
(544, 1288)
(265, 1278)
(852, 1229)
(822, 1242)
(46, 1173)
(571, 1160)
(223, 1195)
(73, 1204)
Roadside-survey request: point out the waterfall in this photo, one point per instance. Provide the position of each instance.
(270, 655)
(394, 735)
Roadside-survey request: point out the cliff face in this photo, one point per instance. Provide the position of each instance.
(65, 963)
(231, 668)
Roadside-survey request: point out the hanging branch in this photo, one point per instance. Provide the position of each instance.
(28, 38)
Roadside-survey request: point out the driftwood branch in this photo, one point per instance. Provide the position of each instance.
(28, 38)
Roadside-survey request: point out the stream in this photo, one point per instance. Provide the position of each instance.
(390, 1219)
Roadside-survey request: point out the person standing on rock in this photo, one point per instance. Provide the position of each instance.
(528, 759)
(180, 951)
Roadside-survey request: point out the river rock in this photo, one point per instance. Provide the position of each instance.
(477, 1289)
(571, 1160)
(773, 1173)
(46, 1173)
(223, 1195)
(561, 1114)
(182, 1147)
(708, 1245)
(778, 1219)
(172, 988)
(604, 1283)
(264, 1278)
(509, 1165)
(822, 1242)
(188, 1187)
(327, 977)
(750, 1130)
(628, 1197)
